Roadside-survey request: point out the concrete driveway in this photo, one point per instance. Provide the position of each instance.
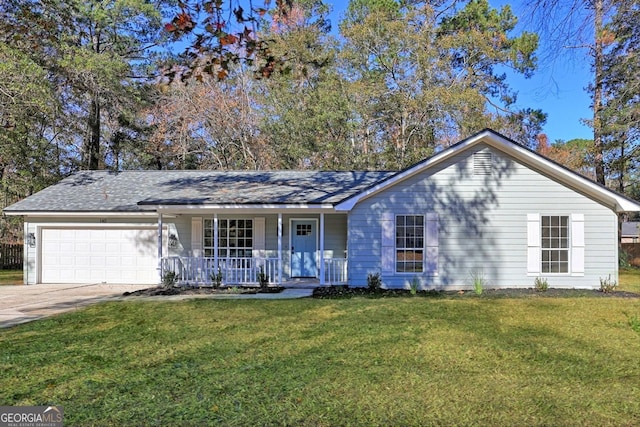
(24, 303)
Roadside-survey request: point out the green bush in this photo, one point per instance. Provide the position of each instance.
(415, 283)
(624, 259)
(374, 281)
(478, 281)
(216, 279)
(169, 279)
(541, 284)
(263, 279)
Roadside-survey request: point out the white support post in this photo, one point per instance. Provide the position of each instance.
(279, 248)
(159, 247)
(322, 272)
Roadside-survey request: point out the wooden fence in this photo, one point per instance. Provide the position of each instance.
(11, 256)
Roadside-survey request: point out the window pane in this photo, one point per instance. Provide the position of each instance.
(409, 243)
(555, 244)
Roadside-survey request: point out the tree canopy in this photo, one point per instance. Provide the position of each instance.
(229, 84)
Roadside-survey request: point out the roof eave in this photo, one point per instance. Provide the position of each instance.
(211, 207)
(102, 213)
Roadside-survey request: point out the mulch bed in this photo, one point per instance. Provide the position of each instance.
(202, 290)
(347, 292)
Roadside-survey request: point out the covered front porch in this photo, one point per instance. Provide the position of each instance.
(232, 248)
(208, 271)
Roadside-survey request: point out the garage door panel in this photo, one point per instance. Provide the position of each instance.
(99, 255)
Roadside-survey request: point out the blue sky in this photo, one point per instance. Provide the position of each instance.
(558, 89)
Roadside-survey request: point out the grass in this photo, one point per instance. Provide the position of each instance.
(358, 361)
(629, 279)
(11, 277)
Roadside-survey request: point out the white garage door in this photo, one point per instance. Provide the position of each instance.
(104, 255)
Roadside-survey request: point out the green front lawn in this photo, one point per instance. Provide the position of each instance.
(630, 280)
(11, 277)
(399, 361)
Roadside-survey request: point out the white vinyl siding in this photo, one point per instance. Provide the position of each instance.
(196, 236)
(259, 240)
(484, 223)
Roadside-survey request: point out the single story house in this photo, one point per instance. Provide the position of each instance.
(486, 207)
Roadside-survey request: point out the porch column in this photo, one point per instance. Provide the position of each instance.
(280, 248)
(322, 272)
(215, 243)
(160, 247)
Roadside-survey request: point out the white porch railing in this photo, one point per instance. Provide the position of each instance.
(234, 271)
(335, 271)
(242, 271)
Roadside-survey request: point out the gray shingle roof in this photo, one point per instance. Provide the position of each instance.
(133, 191)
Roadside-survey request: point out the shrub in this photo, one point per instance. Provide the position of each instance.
(607, 284)
(374, 281)
(415, 283)
(541, 284)
(624, 259)
(478, 281)
(216, 279)
(263, 279)
(169, 279)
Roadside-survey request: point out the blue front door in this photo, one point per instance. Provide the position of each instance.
(303, 248)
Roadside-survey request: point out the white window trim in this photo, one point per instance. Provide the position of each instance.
(424, 245)
(576, 249)
(216, 236)
(388, 259)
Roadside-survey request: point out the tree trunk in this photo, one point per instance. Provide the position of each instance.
(92, 149)
(598, 56)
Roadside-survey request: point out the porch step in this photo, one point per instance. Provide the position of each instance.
(301, 283)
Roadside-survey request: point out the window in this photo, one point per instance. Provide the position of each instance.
(303, 229)
(235, 238)
(409, 243)
(555, 244)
